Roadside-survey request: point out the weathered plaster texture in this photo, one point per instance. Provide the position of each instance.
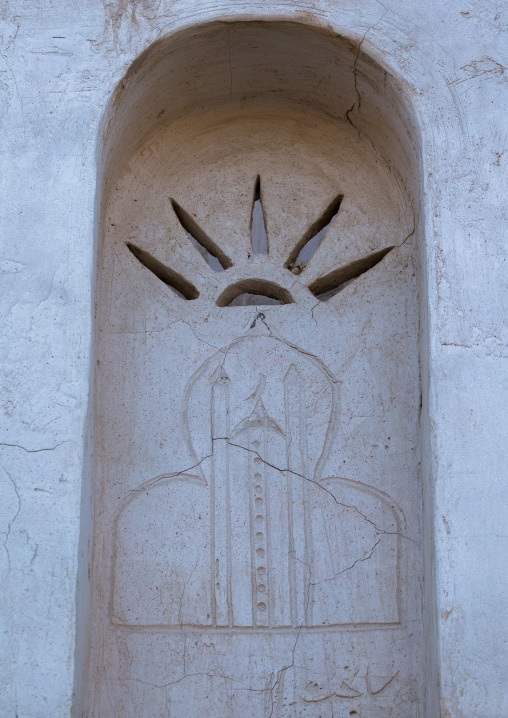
(61, 63)
(258, 492)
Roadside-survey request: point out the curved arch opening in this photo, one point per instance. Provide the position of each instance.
(259, 73)
(253, 292)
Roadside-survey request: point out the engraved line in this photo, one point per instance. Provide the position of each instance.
(228, 521)
(335, 694)
(213, 568)
(130, 496)
(292, 552)
(369, 684)
(269, 592)
(307, 518)
(259, 630)
(320, 366)
(153, 482)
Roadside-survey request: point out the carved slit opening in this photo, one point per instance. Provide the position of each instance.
(309, 244)
(211, 253)
(332, 283)
(251, 292)
(180, 286)
(259, 236)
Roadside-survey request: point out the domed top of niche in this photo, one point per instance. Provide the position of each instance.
(234, 174)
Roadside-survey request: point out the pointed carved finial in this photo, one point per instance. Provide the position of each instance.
(293, 376)
(258, 393)
(220, 375)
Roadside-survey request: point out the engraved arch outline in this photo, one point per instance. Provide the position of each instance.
(383, 497)
(199, 479)
(334, 383)
(213, 367)
(400, 521)
(131, 496)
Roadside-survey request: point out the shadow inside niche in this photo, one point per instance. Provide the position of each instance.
(249, 299)
(250, 292)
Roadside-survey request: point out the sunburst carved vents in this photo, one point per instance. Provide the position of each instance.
(309, 244)
(212, 254)
(181, 286)
(329, 285)
(257, 290)
(259, 235)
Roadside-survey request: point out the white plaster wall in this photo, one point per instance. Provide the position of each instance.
(60, 63)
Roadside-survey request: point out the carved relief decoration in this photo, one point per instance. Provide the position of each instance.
(257, 515)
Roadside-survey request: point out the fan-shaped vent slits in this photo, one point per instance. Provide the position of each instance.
(181, 286)
(250, 292)
(332, 283)
(211, 253)
(259, 236)
(307, 247)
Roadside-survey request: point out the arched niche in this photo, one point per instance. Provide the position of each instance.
(257, 515)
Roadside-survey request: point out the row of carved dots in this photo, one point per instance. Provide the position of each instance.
(260, 535)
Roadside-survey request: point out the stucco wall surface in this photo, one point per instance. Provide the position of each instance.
(60, 63)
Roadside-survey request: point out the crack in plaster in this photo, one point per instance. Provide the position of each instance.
(313, 481)
(9, 525)
(35, 451)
